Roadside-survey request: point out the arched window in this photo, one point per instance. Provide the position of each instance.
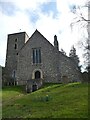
(15, 40)
(15, 46)
(36, 55)
(37, 75)
(14, 74)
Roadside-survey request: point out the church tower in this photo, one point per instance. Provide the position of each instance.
(14, 43)
(56, 45)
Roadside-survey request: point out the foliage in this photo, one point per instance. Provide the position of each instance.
(83, 23)
(73, 55)
(52, 101)
(80, 17)
(63, 52)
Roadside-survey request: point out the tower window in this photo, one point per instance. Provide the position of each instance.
(16, 40)
(37, 55)
(14, 74)
(15, 46)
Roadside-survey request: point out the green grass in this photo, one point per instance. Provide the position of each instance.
(52, 101)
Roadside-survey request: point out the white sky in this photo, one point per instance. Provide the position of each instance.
(29, 15)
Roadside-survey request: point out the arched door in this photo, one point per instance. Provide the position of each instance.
(37, 75)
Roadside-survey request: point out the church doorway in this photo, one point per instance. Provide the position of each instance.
(34, 88)
(37, 75)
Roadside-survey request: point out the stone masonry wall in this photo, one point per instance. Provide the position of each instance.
(17, 39)
(48, 64)
(69, 70)
(55, 66)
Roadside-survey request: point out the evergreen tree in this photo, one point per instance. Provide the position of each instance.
(73, 55)
(63, 52)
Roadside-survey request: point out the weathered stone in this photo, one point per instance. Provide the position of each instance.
(54, 67)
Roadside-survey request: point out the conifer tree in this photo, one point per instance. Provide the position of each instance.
(73, 56)
(63, 52)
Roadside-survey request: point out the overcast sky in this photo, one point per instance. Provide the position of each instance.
(50, 17)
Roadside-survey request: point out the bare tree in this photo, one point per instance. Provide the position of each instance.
(84, 23)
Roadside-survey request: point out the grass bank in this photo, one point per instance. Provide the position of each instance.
(51, 101)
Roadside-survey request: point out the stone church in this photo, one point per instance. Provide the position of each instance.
(34, 61)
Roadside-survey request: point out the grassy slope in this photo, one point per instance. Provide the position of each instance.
(63, 101)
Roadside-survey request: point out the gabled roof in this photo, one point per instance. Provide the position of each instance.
(36, 31)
